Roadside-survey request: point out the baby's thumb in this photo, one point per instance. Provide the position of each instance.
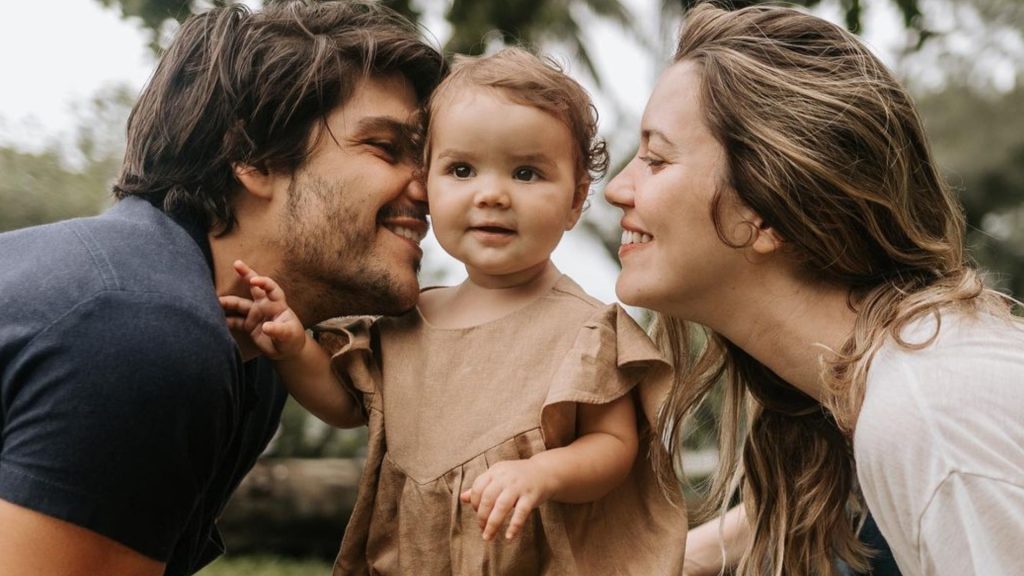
(466, 496)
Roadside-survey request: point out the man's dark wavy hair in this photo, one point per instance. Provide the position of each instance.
(237, 86)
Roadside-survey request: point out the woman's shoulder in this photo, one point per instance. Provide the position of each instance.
(953, 384)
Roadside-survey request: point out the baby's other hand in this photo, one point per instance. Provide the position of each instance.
(515, 486)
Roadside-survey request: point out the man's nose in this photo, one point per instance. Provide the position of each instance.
(416, 189)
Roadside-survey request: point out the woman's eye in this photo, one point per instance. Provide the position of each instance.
(525, 174)
(652, 162)
(462, 171)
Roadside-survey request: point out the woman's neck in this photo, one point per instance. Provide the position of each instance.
(790, 325)
(471, 303)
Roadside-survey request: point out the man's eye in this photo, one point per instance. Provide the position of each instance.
(388, 148)
(525, 174)
(462, 171)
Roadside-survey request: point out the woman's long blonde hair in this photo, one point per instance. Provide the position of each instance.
(826, 146)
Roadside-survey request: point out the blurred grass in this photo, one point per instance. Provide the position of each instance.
(265, 566)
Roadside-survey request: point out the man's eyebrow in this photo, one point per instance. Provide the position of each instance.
(372, 124)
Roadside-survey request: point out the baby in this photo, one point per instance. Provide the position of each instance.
(513, 404)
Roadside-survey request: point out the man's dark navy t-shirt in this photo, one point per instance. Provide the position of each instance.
(124, 405)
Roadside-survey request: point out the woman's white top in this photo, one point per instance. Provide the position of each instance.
(939, 446)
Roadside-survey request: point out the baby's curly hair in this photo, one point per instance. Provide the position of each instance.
(529, 80)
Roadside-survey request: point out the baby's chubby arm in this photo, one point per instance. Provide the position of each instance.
(585, 470)
(302, 364)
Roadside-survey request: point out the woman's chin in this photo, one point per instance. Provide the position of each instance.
(630, 293)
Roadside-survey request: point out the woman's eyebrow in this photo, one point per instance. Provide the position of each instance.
(653, 133)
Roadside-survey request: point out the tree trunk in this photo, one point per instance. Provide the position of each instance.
(292, 506)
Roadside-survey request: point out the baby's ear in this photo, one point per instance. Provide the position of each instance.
(579, 200)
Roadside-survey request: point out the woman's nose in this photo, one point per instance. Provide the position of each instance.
(620, 190)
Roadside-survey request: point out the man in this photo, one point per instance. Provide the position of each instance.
(129, 412)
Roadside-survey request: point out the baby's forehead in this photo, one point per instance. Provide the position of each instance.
(440, 107)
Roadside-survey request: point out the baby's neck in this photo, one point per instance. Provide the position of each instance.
(471, 304)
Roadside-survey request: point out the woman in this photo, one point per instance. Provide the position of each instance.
(784, 198)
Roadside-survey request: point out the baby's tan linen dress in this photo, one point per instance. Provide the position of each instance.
(442, 405)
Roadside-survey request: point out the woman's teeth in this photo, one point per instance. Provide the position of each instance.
(630, 237)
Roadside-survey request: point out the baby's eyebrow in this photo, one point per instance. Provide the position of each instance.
(453, 153)
(532, 159)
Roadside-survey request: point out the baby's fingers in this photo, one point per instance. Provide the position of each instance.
(502, 506)
(243, 270)
(271, 289)
(236, 324)
(473, 495)
(488, 500)
(519, 518)
(235, 306)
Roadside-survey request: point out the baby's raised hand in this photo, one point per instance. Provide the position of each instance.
(515, 486)
(266, 318)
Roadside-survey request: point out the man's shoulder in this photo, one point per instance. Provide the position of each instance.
(47, 270)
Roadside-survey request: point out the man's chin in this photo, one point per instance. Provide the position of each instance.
(401, 301)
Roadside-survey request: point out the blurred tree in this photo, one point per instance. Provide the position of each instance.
(58, 183)
(477, 23)
(978, 139)
(853, 11)
(474, 22)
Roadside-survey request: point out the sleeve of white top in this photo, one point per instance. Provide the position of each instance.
(973, 525)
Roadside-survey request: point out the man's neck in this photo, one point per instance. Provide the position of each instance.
(225, 250)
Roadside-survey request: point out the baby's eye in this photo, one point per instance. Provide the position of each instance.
(525, 174)
(461, 171)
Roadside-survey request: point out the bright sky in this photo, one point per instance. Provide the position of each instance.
(54, 58)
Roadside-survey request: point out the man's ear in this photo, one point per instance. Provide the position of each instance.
(259, 183)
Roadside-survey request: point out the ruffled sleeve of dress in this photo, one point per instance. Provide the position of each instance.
(613, 356)
(350, 343)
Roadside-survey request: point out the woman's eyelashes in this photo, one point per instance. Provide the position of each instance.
(652, 162)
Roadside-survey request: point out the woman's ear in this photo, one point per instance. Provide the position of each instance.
(259, 183)
(767, 240)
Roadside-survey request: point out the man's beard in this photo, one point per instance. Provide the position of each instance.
(328, 268)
